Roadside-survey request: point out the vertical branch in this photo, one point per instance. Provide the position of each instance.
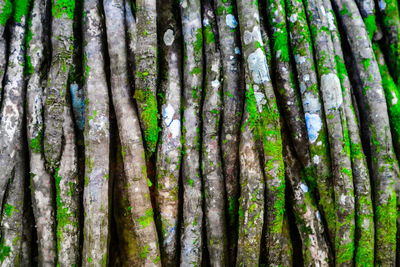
(5, 14)
(131, 139)
(384, 168)
(128, 247)
(319, 173)
(232, 95)
(67, 196)
(41, 182)
(97, 139)
(169, 149)
(285, 79)
(214, 189)
(264, 110)
(308, 218)
(390, 15)
(364, 243)
(252, 189)
(12, 167)
(392, 95)
(338, 138)
(191, 241)
(56, 89)
(146, 71)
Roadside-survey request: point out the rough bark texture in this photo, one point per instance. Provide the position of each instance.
(97, 139)
(41, 181)
(146, 71)
(211, 156)
(232, 103)
(169, 149)
(252, 191)
(263, 110)
(191, 236)
(384, 169)
(338, 137)
(319, 171)
(199, 133)
(133, 152)
(308, 219)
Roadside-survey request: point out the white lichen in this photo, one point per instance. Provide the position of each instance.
(168, 37)
(231, 21)
(258, 66)
(330, 87)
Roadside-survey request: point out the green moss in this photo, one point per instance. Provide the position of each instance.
(392, 94)
(265, 127)
(4, 250)
(144, 252)
(196, 71)
(209, 35)
(344, 11)
(365, 248)
(280, 41)
(146, 219)
(36, 143)
(370, 24)
(366, 62)
(21, 8)
(149, 116)
(156, 259)
(28, 38)
(345, 253)
(198, 44)
(61, 7)
(386, 215)
(6, 12)
(9, 209)
(62, 213)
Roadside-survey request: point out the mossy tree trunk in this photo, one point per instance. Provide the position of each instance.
(199, 133)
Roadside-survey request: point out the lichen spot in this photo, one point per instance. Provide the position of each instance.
(258, 66)
(173, 125)
(231, 21)
(237, 50)
(382, 4)
(304, 188)
(316, 159)
(184, 4)
(331, 21)
(318, 215)
(215, 83)
(314, 125)
(168, 114)
(293, 18)
(365, 223)
(330, 86)
(394, 99)
(260, 100)
(169, 37)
